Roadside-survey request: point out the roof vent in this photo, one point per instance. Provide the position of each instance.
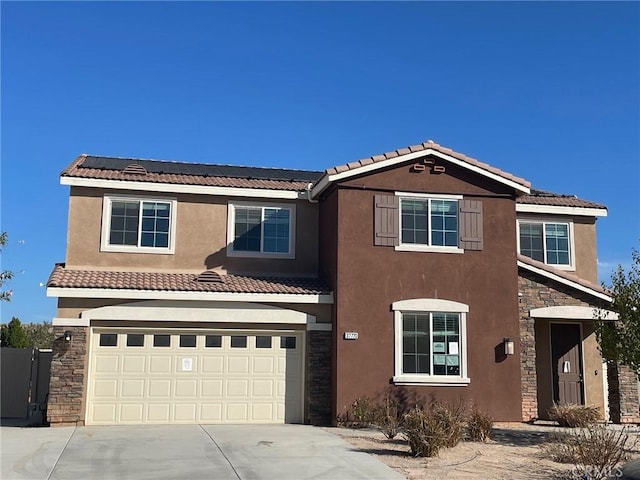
(134, 169)
(209, 276)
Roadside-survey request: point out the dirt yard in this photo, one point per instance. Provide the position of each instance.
(513, 453)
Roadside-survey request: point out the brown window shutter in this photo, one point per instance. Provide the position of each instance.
(386, 221)
(470, 224)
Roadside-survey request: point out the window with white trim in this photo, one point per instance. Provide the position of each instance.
(143, 225)
(430, 342)
(261, 230)
(547, 242)
(429, 221)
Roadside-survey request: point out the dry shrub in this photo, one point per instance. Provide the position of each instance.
(424, 432)
(388, 417)
(573, 416)
(360, 414)
(453, 417)
(595, 451)
(479, 425)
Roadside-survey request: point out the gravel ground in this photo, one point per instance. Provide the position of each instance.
(513, 453)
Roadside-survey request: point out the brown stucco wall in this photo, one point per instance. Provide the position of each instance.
(201, 237)
(370, 278)
(537, 389)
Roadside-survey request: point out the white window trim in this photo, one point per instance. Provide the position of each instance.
(414, 247)
(572, 263)
(106, 225)
(425, 305)
(231, 217)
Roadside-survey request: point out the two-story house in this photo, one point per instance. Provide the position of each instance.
(197, 293)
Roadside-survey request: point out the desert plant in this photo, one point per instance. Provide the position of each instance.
(572, 416)
(359, 414)
(453, 418)
(595, 451)
(388, 417)
(479, 425)
(424, 432)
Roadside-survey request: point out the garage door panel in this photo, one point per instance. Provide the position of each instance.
(131, 412)
(133, 364)
(132, 388)
(159, 388)
(158, 412)
(160, 364)
(252, 379)
(186, 388)
(106, 363)
(107, 388)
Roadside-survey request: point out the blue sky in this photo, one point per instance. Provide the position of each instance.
(547, 91)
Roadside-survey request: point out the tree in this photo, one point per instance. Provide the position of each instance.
(14, 335)
(6, 274)
(620, 340)
(40, 335)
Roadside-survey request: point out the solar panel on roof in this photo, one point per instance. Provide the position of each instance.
(203, 169)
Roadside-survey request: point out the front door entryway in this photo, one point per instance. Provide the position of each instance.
(566, 363)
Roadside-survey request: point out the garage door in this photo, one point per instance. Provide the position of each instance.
(195, 377)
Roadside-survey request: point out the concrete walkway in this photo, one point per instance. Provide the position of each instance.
(190, 452)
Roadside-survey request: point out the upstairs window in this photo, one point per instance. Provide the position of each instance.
(256, 230)
(138, 225)
(429, 221)
(547, 242)
(424, 223)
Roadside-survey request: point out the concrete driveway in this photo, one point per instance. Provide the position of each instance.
(185, 452)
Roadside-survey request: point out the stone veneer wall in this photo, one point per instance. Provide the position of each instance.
(537, 292)
(67, 377)
(318, 377)
(624, 397)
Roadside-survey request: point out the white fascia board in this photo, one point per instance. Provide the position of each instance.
(565, 281)
(571, 312)
(560, 210)
(179, 188)
(324, 182)
(69, 322)
(205, 296)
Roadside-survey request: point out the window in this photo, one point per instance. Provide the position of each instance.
(213, 341)
(288, 343)
(546, 242)
(188, 341)
(430, 342)
(238, 341)
(108, 339)
(135, 340)
(429, 222)
(138, 225)
(263, 341)
(162, 340)
(261, 230)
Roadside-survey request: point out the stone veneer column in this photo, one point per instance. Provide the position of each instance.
(318, 378)
(628, 395)
(66, 386)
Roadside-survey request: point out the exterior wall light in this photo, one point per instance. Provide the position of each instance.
(68, 335)
(509, 347)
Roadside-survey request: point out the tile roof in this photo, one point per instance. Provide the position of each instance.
(429, 144)
(541, 197)
(62, 277)
(156, 171)
(562, 274)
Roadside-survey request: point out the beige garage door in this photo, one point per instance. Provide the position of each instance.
(195, 377)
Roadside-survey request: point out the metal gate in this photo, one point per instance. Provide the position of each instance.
(24, 383)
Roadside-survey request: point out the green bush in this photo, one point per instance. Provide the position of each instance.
(479, 425)
(573, 416)
(360, 414)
